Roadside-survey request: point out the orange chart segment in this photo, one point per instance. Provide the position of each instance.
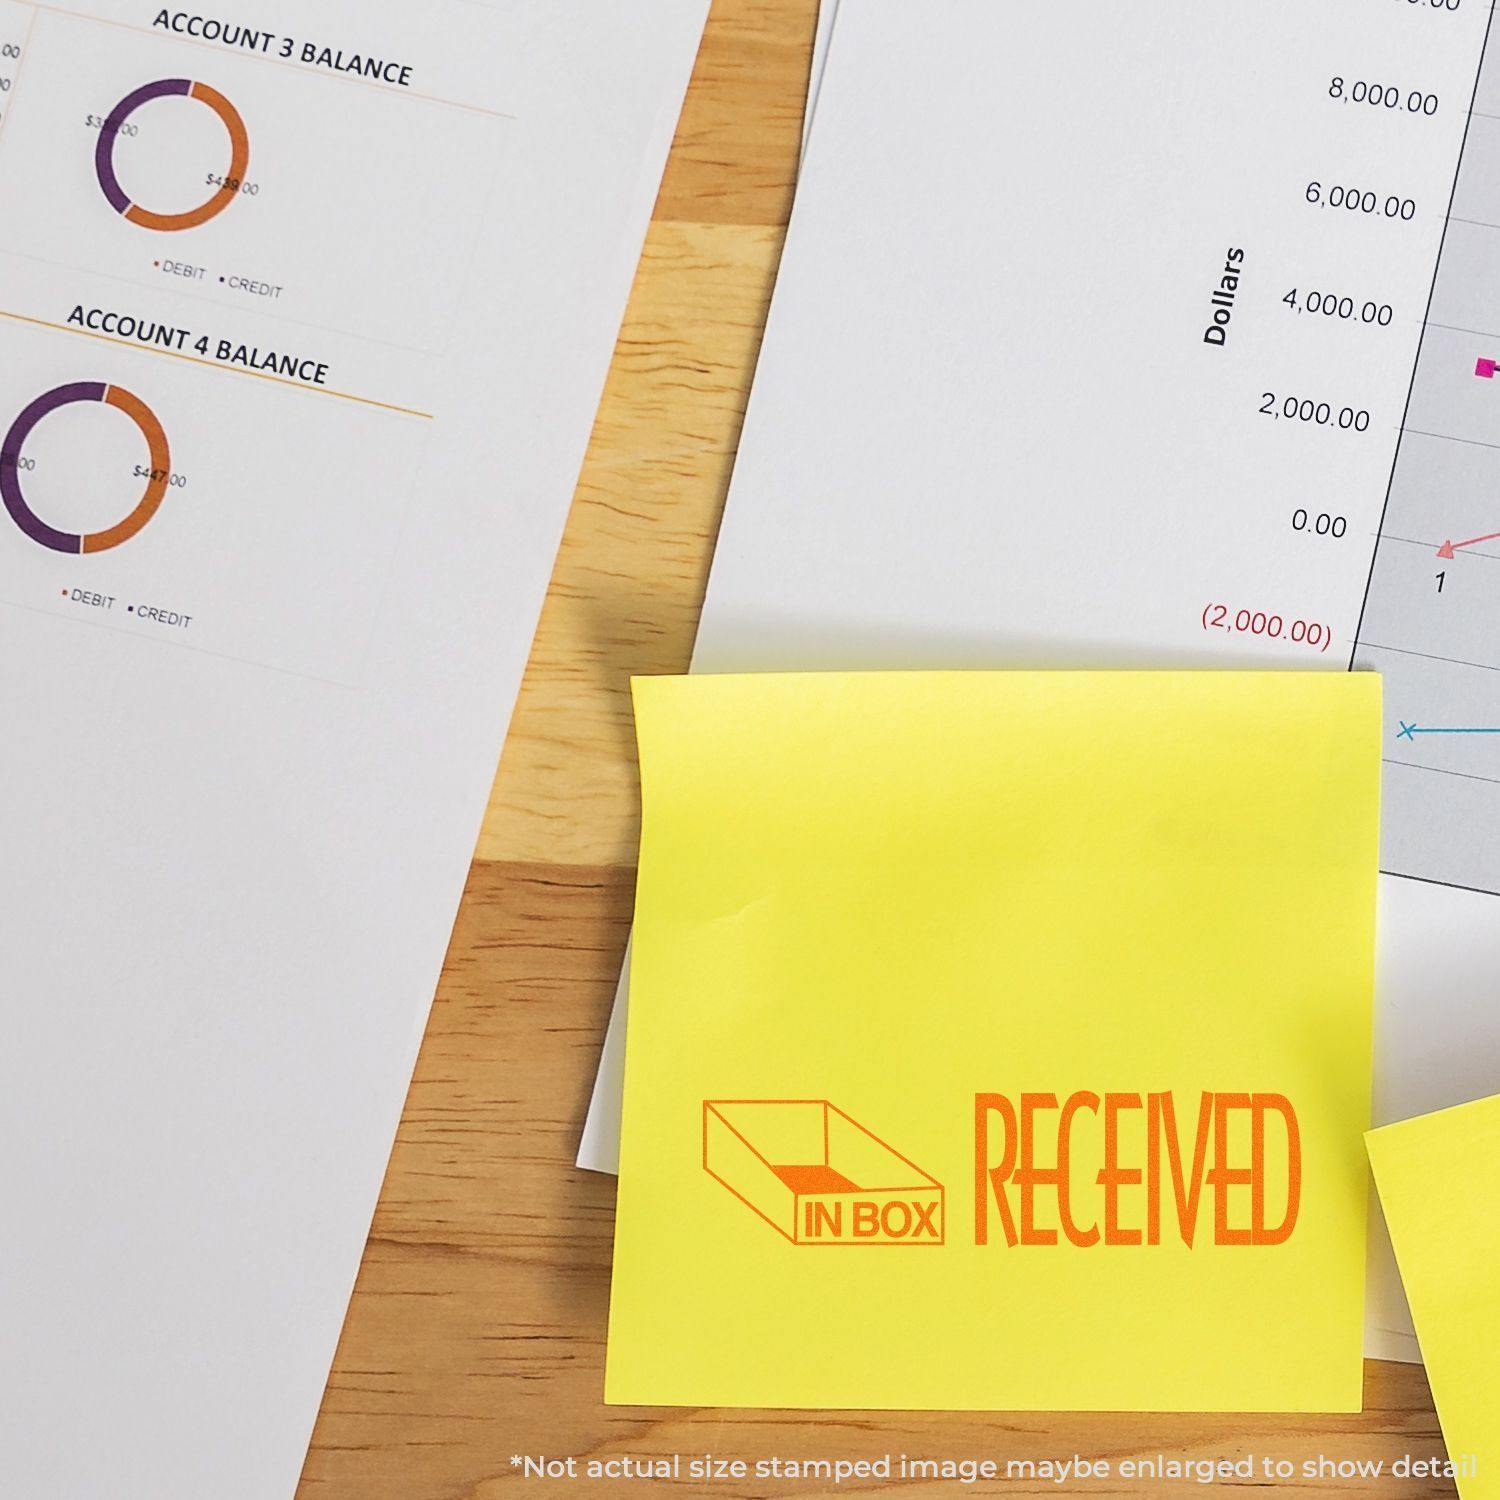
(156, 486)
(233, 180)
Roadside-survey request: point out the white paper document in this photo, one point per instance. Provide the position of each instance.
(827, 13)
(305, 310)
(1102, 337)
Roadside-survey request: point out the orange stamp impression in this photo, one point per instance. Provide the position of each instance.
(817, 1176)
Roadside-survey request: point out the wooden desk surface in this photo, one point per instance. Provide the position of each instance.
(477, 1329)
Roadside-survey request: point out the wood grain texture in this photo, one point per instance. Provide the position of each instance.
(633, 566)
(477, 1328)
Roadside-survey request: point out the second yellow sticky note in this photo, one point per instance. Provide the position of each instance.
(1441, 1194)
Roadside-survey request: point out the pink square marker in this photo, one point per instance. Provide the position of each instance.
(1485, 369)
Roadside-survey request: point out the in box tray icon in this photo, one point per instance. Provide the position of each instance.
(817, 1176)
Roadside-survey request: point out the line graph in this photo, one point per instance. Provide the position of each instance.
(1431, 622)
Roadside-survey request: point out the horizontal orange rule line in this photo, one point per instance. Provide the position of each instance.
(213, 364)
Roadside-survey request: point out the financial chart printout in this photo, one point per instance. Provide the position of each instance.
(1431, 620)
(1104, 356)
(182, 271)
(305, 309)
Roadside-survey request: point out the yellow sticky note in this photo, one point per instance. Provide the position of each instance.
(1441, 1196)
(999, 1041)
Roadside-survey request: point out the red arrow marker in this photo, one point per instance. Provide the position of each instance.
(1449, 549)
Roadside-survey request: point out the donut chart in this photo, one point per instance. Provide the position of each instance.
(78, 543)
(167, 88)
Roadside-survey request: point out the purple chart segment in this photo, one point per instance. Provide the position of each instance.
(10, 465)
(104, 152)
